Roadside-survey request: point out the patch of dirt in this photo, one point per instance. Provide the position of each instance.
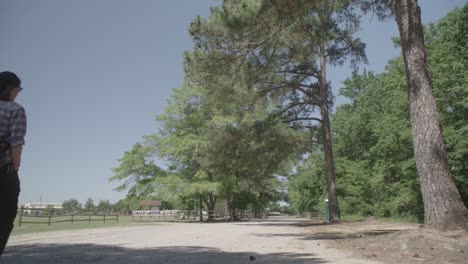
(394, 242)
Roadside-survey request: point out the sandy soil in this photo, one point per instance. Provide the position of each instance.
(395, 242)
(274, 241)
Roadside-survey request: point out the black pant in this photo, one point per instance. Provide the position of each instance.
(9, 192)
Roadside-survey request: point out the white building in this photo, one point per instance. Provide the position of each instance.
(41, 207)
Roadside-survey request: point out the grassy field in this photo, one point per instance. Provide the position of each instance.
(58, 223)
(63, 223)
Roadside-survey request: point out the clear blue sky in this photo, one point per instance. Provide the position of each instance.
(96, 73)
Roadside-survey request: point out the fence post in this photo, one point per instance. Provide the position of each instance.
(104, 218)
(21, 215)
(89, 218)
(50, 217)
(72, 217)
(117, 218)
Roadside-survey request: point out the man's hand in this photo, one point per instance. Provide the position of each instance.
(15, 153)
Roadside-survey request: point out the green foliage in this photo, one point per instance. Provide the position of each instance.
(373, 142)
(373, 150)
(210, 152)
(104, 205)
(374, 156)
(137, 170)
(447, 44)
(89, 205)
(307, 188)
(123, 205)
(277, 51)
(71, 205)
(274, 49)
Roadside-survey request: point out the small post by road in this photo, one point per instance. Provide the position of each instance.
(327, 212)
(50, 217)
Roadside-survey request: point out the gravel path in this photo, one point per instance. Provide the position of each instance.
(273, 241)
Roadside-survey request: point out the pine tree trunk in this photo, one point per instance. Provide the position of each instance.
(327, 142)
(443, 207)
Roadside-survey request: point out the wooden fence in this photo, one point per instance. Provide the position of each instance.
(316, 216)
(53, 216)
(184, 215)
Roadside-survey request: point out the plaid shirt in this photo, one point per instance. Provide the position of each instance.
(12, 127)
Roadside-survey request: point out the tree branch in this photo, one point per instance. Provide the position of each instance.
(287, 109)
(305, 118)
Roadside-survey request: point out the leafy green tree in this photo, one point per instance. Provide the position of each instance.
(137, 170)
(71, 205)
(127, 205)
(217, 151)
(307, 187)
(373, 144)
(104, 205)
(280, 50)
(212, 150)
(89, 205)
(250, 153)
(179, 141)
(122, 206)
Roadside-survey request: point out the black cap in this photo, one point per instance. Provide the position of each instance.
(8, 79)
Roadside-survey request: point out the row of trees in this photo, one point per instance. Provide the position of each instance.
(102, 206)
(256, 102)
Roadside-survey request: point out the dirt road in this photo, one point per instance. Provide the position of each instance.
(273, 241)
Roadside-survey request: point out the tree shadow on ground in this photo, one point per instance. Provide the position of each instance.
(332, 235)
(108, 254)
(296, 224)
(283, 222)
(349, 234)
